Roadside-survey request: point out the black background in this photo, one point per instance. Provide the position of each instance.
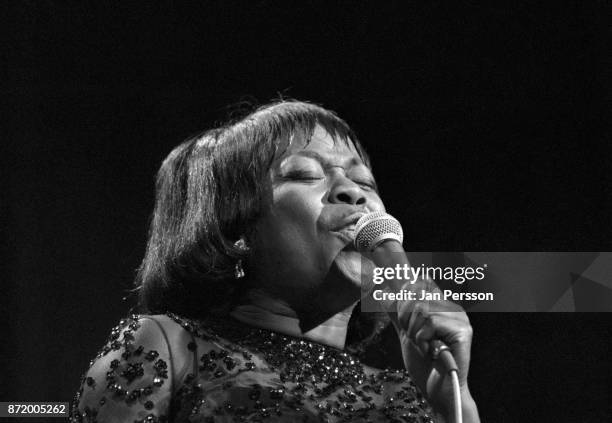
(487, 126)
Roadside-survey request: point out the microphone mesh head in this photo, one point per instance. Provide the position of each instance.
(373, 228)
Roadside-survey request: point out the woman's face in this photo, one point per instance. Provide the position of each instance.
(303, 248)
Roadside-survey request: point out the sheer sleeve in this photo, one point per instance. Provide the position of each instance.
(130, 380)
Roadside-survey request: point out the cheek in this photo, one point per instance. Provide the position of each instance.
(289, 229)
(289, 242)
(297, 208)
(375, 203)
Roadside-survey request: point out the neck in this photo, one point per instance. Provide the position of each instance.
(267, 313)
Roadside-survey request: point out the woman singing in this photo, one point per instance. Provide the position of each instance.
(248, 284)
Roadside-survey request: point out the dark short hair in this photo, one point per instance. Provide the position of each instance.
(211, 190)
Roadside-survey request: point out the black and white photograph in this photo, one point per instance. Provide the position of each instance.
(341, 211)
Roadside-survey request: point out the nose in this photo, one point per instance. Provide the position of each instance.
(347, 192)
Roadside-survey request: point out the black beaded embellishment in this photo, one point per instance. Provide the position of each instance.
(289, 379)
(333, 382)
(121, 374)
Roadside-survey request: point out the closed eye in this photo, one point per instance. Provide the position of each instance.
(366, 184)
(303, 176)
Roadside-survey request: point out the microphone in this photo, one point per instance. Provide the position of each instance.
(380, 236)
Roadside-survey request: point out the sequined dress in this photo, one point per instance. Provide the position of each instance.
(165, 368)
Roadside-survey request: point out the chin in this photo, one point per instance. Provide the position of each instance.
(349, 264)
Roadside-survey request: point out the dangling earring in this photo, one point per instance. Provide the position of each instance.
(238, 269)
